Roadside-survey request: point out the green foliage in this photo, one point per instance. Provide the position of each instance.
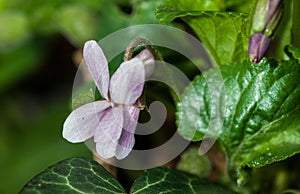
(283, 34)
(214, 5)
(30, 138)
(75, 175)
(95, 21)
(291, 192)
(210, 27)
(83, 97)
(259, 105)
(293, 52)
(239, 6)
(79, 175)
(255, 102)
(224, 27)
(77, 20)
(15, 28)
(192, 162)
(80, 30)
(173, 181)
(15, 64)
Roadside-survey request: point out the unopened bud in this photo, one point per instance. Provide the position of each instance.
(265, 20)
(147, 57)
(265, 13)
(258, 45)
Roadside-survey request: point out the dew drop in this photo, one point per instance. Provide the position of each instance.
(269, 154)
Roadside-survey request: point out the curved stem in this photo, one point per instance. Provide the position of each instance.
(140, 42)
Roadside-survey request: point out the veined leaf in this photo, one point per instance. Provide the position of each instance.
(79, 175)
(75, 175)
(224, 34)
(260, 108)
(166, 180)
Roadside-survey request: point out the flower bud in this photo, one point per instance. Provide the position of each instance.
(258, 45)
(265, 13)
(147, 57)
(265, 20)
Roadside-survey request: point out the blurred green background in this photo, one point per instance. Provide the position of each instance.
(40, 45)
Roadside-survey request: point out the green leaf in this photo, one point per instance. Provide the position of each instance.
(142, 13)
(80, 175)
(175, 182)
(75, 175)
(192, 162)
(224, 34)
(83, 97)
(239, 6)
(277, 141)
(15, 28)
(260, 107)
(80, 30)
(291, 191)
(204, 5)
(293, 52)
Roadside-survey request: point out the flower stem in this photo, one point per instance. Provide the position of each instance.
(140, 42)
(106, 163)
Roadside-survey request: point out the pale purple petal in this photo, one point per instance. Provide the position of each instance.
(148, 59)
(126, 141)
(109, 132)
(127, 83)
(106, 148)
(83, 121)
(131, 116)
(125, 145)
(97, 66)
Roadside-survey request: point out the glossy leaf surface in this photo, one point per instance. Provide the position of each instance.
(259, 105)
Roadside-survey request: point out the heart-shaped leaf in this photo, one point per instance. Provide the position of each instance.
(174, 181)
(75, 175)
(79, 175)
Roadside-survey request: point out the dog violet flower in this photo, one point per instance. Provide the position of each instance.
(265, 20)
(111, 121)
